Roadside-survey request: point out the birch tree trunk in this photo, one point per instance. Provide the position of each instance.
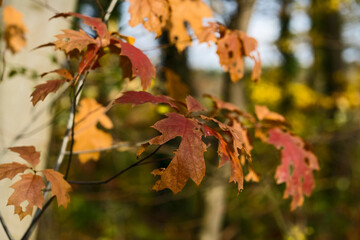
(16, 111)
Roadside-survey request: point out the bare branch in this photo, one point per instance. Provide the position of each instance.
(117, 174)
(5, 228)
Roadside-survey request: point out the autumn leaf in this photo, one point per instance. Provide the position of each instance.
(263, 113)
(297, 164)
(230, 55)
(229, 151)
(14, 29)
(140, 64)
(27, 189)
(59, 187)
(87, 135)
(152, 14)
(190, 12)
(63, 72)
(188, 161)
(174, 86)
(95, 23)
(72, 40)
(220, 104)
(141, 97)
(42, 90)
(28, 153)
(10, 170)
(193, 105)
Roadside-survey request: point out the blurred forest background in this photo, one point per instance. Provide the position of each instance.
(311, 74)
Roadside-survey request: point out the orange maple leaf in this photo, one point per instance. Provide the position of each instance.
(59, 187)
(152, 14)
(15, 29)
(87, 135)
(190, 12)
(73, 40)
(28, 153)
(10, 170)
(28, 188)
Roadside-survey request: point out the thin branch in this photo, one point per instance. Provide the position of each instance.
(109, 10)
(117, 174)
(121, 145)
(73, 111)
(5, 228)
(36, 218)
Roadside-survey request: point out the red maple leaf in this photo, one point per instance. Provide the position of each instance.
(296, 167)
(188, 161)
(140, 64)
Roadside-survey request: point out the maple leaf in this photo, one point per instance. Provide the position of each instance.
(229, 151)
(87, 135)
(227, 155)
(188, 161)
(42, 90)
(152, 14)
(63, 72)
(190, 12)
(14, 31)
(174, 86)
(27, 189)
(220, 104)
(230, 55)
(95, 23)
(263, 113)
(59, 187)
(28, 153)
(141, 97)
(10, 170)
(73, 40)
(89, 60)
(193, 105)
(140, 64)
(296, 167)
(209, 33)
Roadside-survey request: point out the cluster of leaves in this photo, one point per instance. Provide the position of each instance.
(31, 185)
(175, 15)
(192, 122)
(188, 118)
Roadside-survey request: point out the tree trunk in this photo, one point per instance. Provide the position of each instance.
(16, 111)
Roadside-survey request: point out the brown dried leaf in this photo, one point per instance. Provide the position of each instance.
(73, 40)
(27, 189)
(42, 90)
(10, 170)
(193, 105)
(63, 72)
(59, 187)
(28, 153)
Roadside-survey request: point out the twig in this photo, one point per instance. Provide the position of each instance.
(5, 228)
(36, 218)
(122, 145)
(115, 175)
(109, 10)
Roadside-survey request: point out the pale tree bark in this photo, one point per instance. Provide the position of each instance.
(215, 192)
(16, 110)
